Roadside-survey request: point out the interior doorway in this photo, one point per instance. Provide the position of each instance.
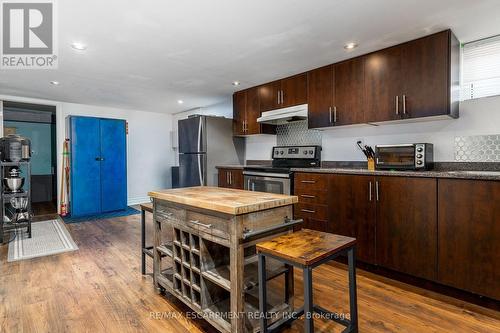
(37, 123)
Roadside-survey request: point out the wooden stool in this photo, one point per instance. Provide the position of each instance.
(145, 250)
(308, 249)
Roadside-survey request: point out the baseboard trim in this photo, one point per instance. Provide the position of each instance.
(138, 200)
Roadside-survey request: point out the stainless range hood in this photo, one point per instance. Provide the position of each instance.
(284, 116)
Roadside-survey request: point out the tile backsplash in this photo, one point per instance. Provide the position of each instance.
(477, 148)
(297, 134)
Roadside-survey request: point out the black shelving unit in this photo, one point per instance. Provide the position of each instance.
(6, 196)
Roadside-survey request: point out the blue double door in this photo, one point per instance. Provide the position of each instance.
(98, 165)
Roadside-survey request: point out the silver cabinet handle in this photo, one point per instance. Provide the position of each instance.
(196, 222)
(334, 114)
(330, 111)
(370, 191)
(282, 97)
(227, 177)
(376, 191)
(308, 196)
(307, 211)
(397, 105)
(278, 97)
(404, 104)
(308, 181)
(230, 177)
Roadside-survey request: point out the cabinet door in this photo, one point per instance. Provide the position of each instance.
(252, 112)
(383, 85)
(349, 93)
(294, 90)
(85, 166)
(113, 165)
(239, 101)
(269, 96)
(469, 235)
(407, 225)
(223, 178)
(425, 64)
(236, 179)
(353, 211)
(320, 94)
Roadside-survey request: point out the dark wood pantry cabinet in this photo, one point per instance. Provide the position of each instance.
(469, 235)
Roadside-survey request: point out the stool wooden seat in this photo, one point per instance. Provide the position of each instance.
(308, 249)
(145, 250)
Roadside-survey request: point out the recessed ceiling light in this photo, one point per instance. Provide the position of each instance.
(55, 83)
(236, 83)
(350, 46)
(79, 46)
(180, 101)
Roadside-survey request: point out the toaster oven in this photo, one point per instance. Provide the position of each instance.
(411, 156)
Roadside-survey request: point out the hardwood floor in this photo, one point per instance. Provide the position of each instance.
(99, 288)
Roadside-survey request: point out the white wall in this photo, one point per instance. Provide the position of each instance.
(149, 153)
(477, 117)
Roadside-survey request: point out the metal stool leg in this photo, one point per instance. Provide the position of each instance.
(353, 304)
(143, 240)
(262, 293)
(308, 301)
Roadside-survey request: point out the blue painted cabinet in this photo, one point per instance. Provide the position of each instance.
(98, 165)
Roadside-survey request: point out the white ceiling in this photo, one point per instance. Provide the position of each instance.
(148, 54)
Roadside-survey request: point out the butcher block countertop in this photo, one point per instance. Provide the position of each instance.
(224, 200)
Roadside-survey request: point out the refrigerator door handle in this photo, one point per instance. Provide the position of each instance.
(200, 171)
(199, 134)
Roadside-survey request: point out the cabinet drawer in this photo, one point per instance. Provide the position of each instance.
(311, 181)
(312, 196)
(304, 210)
(169, 213)
(208, 224)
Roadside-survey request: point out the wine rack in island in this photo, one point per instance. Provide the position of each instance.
(208, 261)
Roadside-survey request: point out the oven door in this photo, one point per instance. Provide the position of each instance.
(267, 182)
(400, 157)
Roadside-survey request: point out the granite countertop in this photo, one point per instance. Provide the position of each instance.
(479, 175)
(224, 200)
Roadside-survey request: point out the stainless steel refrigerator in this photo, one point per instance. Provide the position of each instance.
(204, 143)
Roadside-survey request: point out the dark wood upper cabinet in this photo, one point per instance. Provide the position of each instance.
(426, 66)
(382, 85)
(407, 225)
(252, 112)
(468, 235)
(270, 96)
(353, 212)
(294, 90)
(239, 106)
(321, 92)
(348, 106)
(246, 110)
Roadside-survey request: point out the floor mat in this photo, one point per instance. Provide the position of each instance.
(126, 212)
(48, 238)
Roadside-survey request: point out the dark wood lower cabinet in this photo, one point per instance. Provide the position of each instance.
(469, 235)
(407, 225)
(231, 178)
(352, 213)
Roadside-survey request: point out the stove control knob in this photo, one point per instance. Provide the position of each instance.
(311, 152)
(305, 152)
(282, 152)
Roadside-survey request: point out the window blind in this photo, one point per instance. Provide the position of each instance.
(481, 68)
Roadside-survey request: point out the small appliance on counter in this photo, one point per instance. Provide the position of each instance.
(411, 156)
(15, 148)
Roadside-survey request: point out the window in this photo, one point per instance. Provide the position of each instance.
(481, 68)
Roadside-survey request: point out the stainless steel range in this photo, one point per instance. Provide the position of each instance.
(278, 178)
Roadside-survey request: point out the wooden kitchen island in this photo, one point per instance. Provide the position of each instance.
(204, 251)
